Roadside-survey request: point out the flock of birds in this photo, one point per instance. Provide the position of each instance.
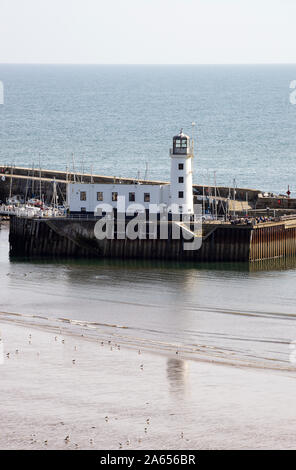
(91, 440)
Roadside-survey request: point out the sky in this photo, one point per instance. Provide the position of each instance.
(147, 31)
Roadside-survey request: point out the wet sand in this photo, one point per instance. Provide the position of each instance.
(70, 392)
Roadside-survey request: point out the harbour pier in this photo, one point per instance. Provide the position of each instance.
(221, 241)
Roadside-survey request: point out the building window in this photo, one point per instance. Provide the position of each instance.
(178, 143)
(181, 194)
(131, 197)
(181, 166)
(83, 209)
(181, 179)
(114, 196)
(146, 197)
(82, 195)
(100, 196)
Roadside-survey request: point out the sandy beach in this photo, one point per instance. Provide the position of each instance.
(66, 391)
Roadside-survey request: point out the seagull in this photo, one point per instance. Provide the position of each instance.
(67, 439)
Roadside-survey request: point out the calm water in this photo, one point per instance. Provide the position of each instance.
(225, 311)
(117, 119)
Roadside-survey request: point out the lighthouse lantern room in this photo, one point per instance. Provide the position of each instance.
(181, 173)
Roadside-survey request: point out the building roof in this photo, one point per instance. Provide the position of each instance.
(181, 135)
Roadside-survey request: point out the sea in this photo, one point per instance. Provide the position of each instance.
(119, 121)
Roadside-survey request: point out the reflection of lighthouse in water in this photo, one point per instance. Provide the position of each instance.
(178, 375)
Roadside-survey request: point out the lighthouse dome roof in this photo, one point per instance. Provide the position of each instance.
(181, 135)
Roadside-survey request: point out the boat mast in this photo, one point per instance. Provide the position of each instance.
(40, 189)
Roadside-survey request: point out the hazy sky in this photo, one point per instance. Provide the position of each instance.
(147, 31)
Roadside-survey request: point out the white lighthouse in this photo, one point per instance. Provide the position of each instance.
(181, 173)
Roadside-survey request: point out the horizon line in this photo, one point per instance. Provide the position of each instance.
(150, 64)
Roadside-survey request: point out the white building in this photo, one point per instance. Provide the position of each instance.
(86, 197)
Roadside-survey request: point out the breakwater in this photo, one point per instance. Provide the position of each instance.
(66, 237)
(33, 182)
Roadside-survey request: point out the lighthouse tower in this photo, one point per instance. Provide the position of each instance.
(181, 173)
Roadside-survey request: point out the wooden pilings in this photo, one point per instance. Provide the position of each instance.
(221, 242)
(273, 241)
(34, 238)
